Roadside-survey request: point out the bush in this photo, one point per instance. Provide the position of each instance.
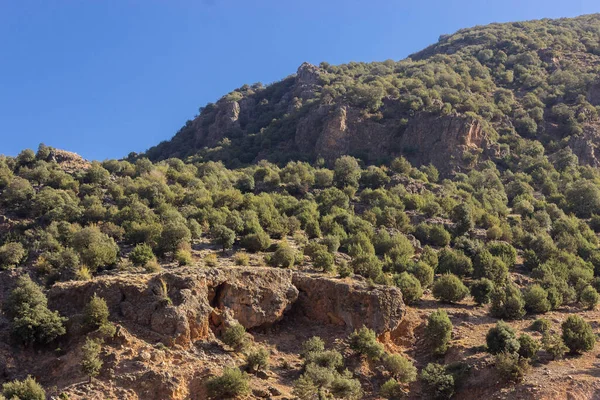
(90, 362)
(437, 383)
(536, 300)
(254, 242)
(589, 297)
(32, 321)
(11, 254)
(511, 367)
(141, 254)
(554, 345)
(423, 272)
(241, 259)
(258, 360)
(313, 345)
(284, 256)
(183, 257)
(223, 236)
(400, 368)
(462, 216)
(367, 265)
(96, 312)
(410, 287)
(344, 387)
(27, 389)
(364, 342)
(577, 334)
(323, 260)
(330, 359)
(507, 303)
(481, 290)
(541, 325)
(391, 390)
(455, 262)
(501, 338)
(449, 289)
(231, 383)
(95, 248)
(438, 331)
(528, 346)
(235, 337)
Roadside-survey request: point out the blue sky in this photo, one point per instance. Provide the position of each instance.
(104, 78)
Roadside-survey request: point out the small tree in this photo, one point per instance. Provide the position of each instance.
(284, 256)
(11, 254)
(410, 287)
(438, 331)
(391, 390)
(481, 290)
(364, 342)
(258, 359)
(511, 367)
(589, 297)
(577, 334)
(528, 346)
(449, 289)
(437, 383)
(27, 389)
(554, 345)
(90, 362)
(502, 338)
(536, 299)
(313, 345)
(507, 302)
(462, 216)
(235, 337)
(400, 368)
(230, 384)
(541, 325)
(141, 254)
(96, 312)
(223, 236)
(258, 241)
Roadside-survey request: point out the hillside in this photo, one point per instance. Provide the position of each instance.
(422, 229)
(461, 100)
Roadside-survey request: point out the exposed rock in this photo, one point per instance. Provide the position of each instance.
(349, 303)
(68, 160)
(585, 146)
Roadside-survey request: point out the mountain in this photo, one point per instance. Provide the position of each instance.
(458, 101)
(428, 228)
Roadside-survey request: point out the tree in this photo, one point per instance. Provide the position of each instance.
(578, 334)
(449, 289)
(364, 342)
(223, 236)
(235, 337)
(410, 288)
(462, 216)
(284, 256)
(536, 299)
(346, 172)
(141, 254)
(502, 338)
(91, 364)
(437, 383)
(507, 302)
(96, 312)
(258, 241)
(583, 198)
(400, 368)
(27, 389)
(258, 359)
(11, 254)
(528, 346)
(32, 321)
(589, 297)
(230, 384)
(455, 262)
(481, 290)
(173, 235)
(438, 331)
(95, 248)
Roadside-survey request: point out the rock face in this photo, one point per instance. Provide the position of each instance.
(187, 305)
(351, 304)
(585, 146)
(176, 307)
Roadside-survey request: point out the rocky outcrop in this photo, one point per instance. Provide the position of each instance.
(176, 307)
(351, 304)
(585, 146)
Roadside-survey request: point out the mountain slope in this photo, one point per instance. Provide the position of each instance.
(460, 100)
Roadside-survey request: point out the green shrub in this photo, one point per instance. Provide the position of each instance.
(505, 251)
(577, 334)
(437, 383)
(589, 297)
(502, 338)
(541, 325)
(96, 312)
(323, 260)
(254, 242)
(241, 259)
(11, 254)
(330, 359)
(507, 303)
(438, 331)
(313, 345)
(183, 257)
(367, 265)
(235, 337)
(511, 367)
(90, 362)
(223, 236)
(554, 345)
(536, 300)
(430, 257)
(141, 254)
(391, 390)
(27, 389)
(481, 290)
(364, 342)
(344, 387)
(410, 287)
(455, 262)
(258, 359)
(449, 289)
(230, 384)
(400, 368)
(423, 272)
(284, 256)
(95, 248)
(528, 346)
(462, 216)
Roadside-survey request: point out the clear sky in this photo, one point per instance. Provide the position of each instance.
(104, 78)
